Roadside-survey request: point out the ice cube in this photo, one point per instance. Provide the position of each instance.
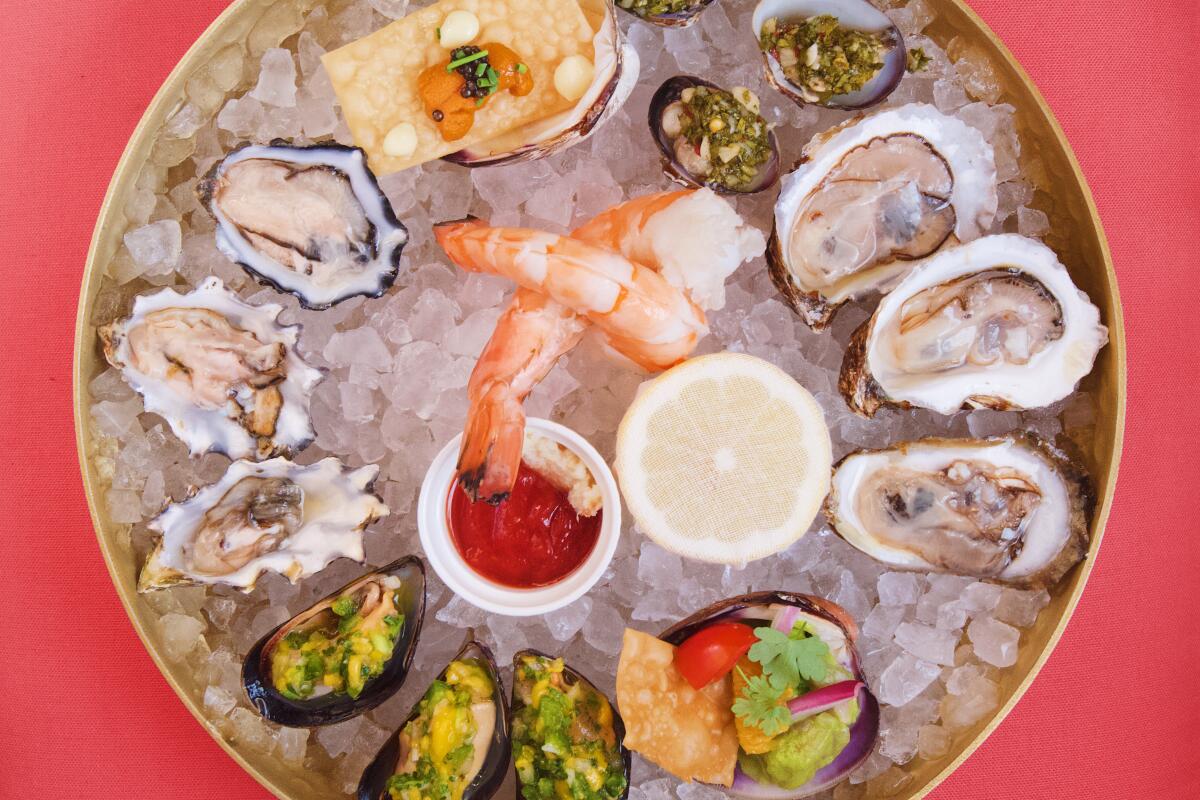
(933, 741)
(905, 678)
(276, 79)
(157, 246)
(181, 634)
(931, 644)
(881, 623)
(219, 701)
(1021, 607)
(994, 642)
(358, 346)
(898, 588)
(565, 622)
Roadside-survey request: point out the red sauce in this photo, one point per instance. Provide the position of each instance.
(533, 538)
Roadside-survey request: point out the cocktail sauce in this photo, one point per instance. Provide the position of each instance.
(532, 538)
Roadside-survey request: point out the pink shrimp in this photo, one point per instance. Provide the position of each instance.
(529, 337)
(622, 227)
(644, 317)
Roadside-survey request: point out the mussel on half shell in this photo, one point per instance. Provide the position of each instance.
(665, 13)
(398, 588)
(311, 221)
(836, 627)
(596, 728)
(483, 772)
(854, 15)
(681, 161)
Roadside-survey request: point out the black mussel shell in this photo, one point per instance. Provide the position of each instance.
(668, 93)
(854, 14)
(373, 785)
(672, 19)
(330, 708)
(575, 676)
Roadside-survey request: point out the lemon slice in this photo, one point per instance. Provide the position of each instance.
(724, 458)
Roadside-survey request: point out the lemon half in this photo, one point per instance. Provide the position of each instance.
(724, 458)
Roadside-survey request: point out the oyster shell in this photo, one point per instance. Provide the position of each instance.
(274, 516)
(838, 630)
(995, 323)
(489, 767)
(616, 66)
(520, 698)
(311, 221)
(872, 196)
(405, 581)
(1010, 509)
(672, 14)
(858, 15)
(224, 374)
(667, 95)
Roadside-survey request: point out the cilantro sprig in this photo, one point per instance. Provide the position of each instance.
(789, 661)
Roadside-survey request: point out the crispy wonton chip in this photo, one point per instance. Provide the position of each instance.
(688, 733)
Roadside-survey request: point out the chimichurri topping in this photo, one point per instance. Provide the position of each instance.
(346, 652)
(564, 744)
(654, 8)
(443, 746)
(916, 60)
(820, 57)
(719, 137)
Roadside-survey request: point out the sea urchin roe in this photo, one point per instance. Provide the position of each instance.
(564, 742)
(442, 747)
(655, 8)
(822, 58)
(719, 137)
(342, 655)
(452, 91)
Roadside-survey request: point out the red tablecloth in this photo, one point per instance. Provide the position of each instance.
(83, 711)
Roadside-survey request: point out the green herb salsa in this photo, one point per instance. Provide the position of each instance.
(718, 136)
(564, 742)
(655, 8)
(341, 655)
(820, 57)
(442, 748)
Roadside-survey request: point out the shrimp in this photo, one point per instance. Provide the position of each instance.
(644, 317)
(529, 337)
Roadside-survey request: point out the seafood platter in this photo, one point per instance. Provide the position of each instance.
(594, 400)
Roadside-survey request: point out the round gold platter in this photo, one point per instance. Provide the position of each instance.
(1076, 235)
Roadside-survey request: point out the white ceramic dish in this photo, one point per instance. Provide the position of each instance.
(444, 557)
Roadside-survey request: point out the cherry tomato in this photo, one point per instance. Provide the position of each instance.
(710, 653)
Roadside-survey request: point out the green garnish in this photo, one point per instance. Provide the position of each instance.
(790, 663)
(822, 58)
(455, 64)
(917, 60)
(522, 68)
(759, 706)
(344, 606)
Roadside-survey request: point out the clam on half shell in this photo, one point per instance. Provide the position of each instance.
(268, 516)
(616, 68)
(1011, 509)
(872, 196)
(994, 323)
(224, 374)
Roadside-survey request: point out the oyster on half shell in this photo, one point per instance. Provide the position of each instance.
(311, 221)
(995, 323)
(224, 374)
(269, 516)
(1011, 509)
(872, 196)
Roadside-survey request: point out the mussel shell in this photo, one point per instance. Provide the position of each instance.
(668, 93)
(854, 14)
(735, 608)
(330, 708)
(576, 676)
(674, 19)
(373, 785)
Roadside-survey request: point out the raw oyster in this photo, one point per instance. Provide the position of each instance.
(681, 162)
(485, 766)
(1011, 508)
(665, 13)
(273, 516)
(616, 68)
(397, 589)
(855, 15)
(872, 196)
(307, 220)
(995, 323)
(223, 374)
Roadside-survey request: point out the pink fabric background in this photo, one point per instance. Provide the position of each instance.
(84, 713)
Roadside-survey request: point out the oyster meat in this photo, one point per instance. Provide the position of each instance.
(307, 220)
(871, 197)
(224, 374)
(1010, 509)
(269, 516)
(995, 323)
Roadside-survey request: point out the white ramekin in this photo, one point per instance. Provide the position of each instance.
(443, 556)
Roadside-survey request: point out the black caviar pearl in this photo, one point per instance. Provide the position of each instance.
(438, 116)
